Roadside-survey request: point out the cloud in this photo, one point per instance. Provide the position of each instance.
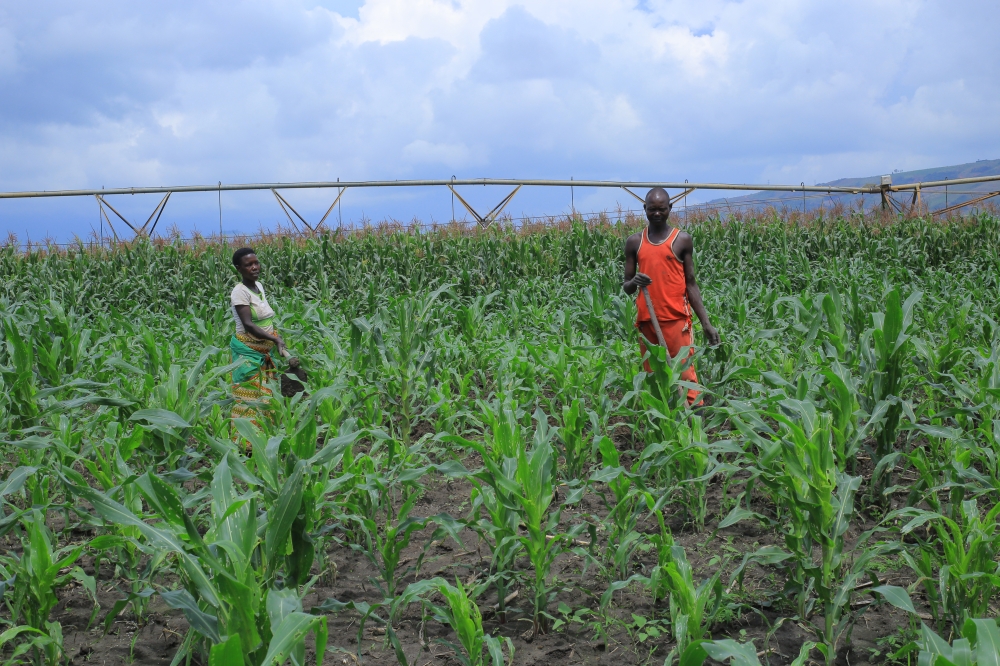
(517, 46)
(122, 93)
(424, 152)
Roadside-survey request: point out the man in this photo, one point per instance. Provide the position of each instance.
(665, 257)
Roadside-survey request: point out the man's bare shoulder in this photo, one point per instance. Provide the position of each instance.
(633, 241)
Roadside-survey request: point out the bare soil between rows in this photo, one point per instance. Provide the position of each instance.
(760, 604)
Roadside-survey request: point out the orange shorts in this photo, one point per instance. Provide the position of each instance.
(676, 334)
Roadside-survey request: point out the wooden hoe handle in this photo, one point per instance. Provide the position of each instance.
(652, 315)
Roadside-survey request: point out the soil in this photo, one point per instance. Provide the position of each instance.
(759, 604)
(290, 386)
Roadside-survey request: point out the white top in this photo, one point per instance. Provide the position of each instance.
(260, 312)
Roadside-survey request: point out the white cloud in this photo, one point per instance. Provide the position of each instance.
(447, 154)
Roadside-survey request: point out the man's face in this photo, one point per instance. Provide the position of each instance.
(657, 209)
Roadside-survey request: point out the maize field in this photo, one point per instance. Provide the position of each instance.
(479, 472)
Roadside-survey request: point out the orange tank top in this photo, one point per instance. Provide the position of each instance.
(668, 290)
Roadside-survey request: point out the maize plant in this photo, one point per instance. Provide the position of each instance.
(463, 616)
(886, 350)
(32, 582)
(816, 502)
(979, 644)
(958, 563)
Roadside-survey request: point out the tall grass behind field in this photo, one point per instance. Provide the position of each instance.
(755, 249)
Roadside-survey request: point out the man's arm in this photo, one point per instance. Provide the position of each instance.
(632, 279)
(685, 247)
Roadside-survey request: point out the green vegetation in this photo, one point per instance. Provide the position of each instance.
(852, 415)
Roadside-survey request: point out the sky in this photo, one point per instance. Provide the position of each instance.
(120, 94)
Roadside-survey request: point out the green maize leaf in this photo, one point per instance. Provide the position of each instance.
(620, 585)
(335, 606)
(289, 636)
(332, 448)
(82, 577)
(78, 383)
(160, 418)
(202, 622)
(281, 603)
(281, 517)
(15, 480)
(986, 635)
(162, 540)
(107, 542)
(194, 571)
(607, 474)
(574, 494)
(803, 656)
(450, 469)
(233, 508)
(249, 432)
(163, 498)
(897, 596)
(229, 526)
(740, 654)
(116, 514)
(227, 653)
(32, 443)
(764, 555)
(242, 607)
(239, 470)
(397, 647)
(14, 632)
(694, 654)
(847, 487)
(449, 526)
(941, 432)
(120, 605)
(736, 515)
(493, 646)
(932, 646)
(104, 401)
(920, 517)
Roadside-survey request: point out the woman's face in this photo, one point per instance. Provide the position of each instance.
(250, 267)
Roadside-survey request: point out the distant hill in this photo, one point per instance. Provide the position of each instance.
(933, 199)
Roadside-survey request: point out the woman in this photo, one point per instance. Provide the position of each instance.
(254, 340)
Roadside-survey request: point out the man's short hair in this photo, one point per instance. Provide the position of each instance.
(658, 189)
(240, 253)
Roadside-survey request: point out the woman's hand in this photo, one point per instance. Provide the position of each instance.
(282, 349)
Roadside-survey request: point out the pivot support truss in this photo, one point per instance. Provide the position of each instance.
(138, 231)
(285, 206)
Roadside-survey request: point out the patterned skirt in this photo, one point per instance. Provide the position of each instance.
(250, 381)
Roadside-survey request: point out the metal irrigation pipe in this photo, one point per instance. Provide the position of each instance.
(509, 182)
(944, 183)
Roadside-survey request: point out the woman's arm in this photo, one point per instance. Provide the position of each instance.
(243, 311)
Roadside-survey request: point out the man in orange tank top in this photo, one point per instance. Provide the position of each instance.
(661, 258)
